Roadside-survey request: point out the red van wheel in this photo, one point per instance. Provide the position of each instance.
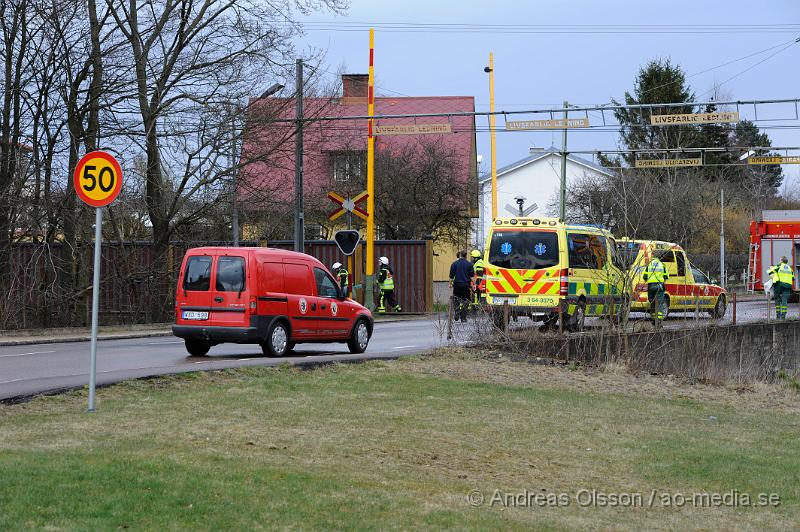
(277, 343)
(359, 339)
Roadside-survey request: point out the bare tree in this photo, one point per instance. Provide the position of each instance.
(191, 61)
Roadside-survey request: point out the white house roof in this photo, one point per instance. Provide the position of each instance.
(541, 155)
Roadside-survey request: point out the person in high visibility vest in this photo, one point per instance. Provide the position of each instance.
(782, 276)
(478, 281)
(386, 284)
(655, 274)
(343, 276)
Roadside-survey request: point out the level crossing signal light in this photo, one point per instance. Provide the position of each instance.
(347, 241)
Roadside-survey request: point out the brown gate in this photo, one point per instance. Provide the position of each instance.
(410, 260)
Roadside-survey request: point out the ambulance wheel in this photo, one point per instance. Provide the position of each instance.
(359, 340)
(497, 319)
(197, 348)
(720, 308)
(666, 306)
(549, 323)
(277, 343)
(578, 319)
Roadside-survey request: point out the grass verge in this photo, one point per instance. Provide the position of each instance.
(401, 445)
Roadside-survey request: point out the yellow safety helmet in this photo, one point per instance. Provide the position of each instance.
(475, 254)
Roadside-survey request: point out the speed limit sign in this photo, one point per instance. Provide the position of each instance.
(98, 178)
(97, 181)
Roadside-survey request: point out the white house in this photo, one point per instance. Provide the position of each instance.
(537, 178)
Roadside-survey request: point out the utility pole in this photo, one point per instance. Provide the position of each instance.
(369, 273)
(562, 210)
(722, 276)
(298, 162)
(492, 140)
(234, 184)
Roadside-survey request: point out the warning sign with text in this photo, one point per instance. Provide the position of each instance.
(413, 129)
(694, 118)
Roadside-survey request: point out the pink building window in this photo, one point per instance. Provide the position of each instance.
(349, 166)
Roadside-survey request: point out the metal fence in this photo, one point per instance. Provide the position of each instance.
(50, 284)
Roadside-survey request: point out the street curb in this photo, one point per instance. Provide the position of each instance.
(83, 338)
(33, 340)
(300, 364)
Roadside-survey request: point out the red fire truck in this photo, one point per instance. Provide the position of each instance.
(775, 235)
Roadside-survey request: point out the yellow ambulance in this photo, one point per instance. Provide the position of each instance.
(687, 288)
(538, 265)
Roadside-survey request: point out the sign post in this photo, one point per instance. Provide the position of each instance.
(97, 181)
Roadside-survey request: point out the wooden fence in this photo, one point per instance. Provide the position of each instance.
(50, 284)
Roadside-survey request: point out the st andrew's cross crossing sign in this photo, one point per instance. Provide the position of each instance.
(354, 205)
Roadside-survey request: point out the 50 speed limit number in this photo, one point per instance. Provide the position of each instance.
(98, 178)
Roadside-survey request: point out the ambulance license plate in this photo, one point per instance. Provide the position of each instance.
(502, 300)
(194, 315)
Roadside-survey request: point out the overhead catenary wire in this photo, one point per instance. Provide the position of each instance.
(552, 111)
(787, 44)
(751, 67)
(551, 28)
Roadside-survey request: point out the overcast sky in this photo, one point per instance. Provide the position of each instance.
(542, 70)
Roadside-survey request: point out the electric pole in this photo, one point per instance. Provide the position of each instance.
(492, 139)
(235, 176)
(722, 276)
(298, 162)
(562, 211)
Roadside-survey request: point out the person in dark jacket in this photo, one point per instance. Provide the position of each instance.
(461, 274)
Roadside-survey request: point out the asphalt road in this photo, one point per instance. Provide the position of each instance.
(746, 312)
(31, 369)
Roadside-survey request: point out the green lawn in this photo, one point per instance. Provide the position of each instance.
(397, 445)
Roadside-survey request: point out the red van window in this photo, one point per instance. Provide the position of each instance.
(198, 273)
(326, 287)
(272, 277)
(230, 274)
(298, 280)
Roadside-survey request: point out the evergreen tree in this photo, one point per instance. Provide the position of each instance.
(658, 82)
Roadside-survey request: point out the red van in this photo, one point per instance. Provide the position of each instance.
(264, 296)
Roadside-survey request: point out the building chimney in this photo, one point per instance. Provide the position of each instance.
(355, 85)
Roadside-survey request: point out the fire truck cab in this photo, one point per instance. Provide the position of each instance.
(775, 235)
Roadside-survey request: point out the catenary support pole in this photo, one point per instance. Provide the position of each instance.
(723, 281)
(369, 277)
(234, 185)
(98, 238)
(493, 136)
(562, 202)
(298, 162)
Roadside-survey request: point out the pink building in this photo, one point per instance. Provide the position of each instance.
(334, 155)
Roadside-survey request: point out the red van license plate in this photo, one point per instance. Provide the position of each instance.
(194, 315)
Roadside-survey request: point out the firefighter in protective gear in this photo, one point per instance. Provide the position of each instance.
(782, 276)
(478, 281)
(655, 274)
(343, 276)
(386, 284)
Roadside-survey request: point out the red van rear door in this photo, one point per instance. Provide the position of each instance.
(230, 293)
(302, 305)
(194, 293)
